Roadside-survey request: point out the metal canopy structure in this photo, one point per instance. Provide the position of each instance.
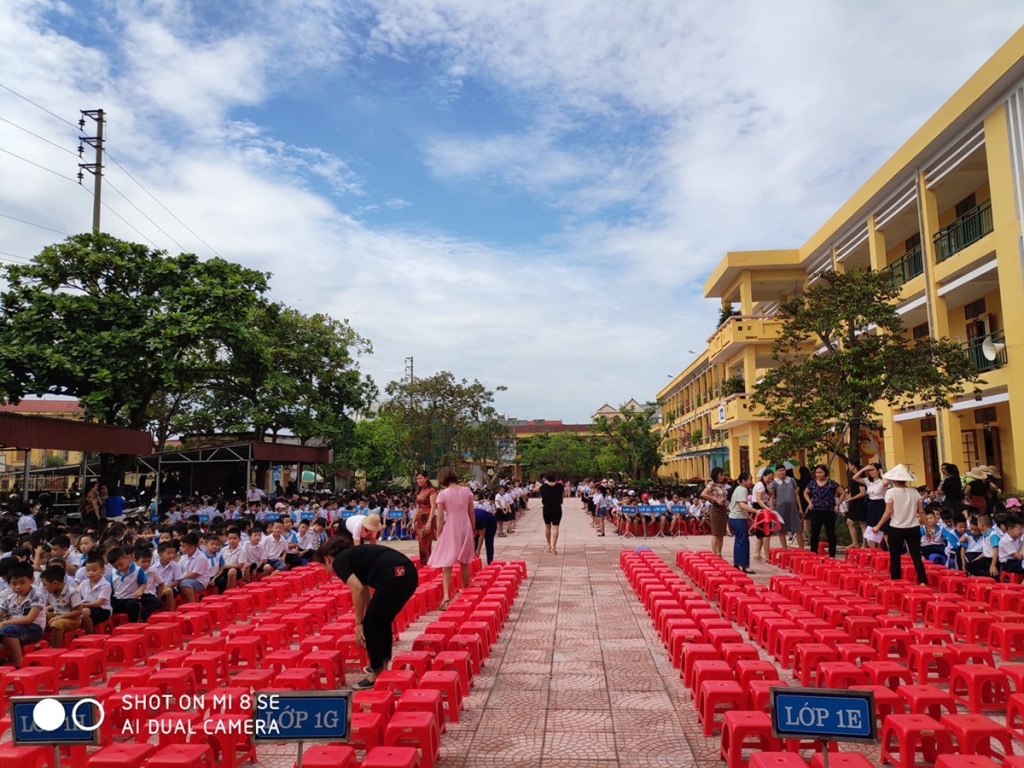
(236, 454)
(27, 432)
(24, 432)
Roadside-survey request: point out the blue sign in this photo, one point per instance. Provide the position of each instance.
(54, 720)
(347, 513)
(829, 715)
(645, 509)
(628, 510)
(395, 514)
(307, 516)
(302, 715)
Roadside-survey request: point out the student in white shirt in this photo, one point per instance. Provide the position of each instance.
(151, 598)
(196, 566)
(169, 570)
(95, 592)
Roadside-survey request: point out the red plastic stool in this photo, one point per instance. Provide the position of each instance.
(392, 757)
(161, 636)
(352, 654)
(927, 700)
(366, 730)
(891, 674)
(169, 659)
(81, 666)
(972, 626)
(177, 681)
(903, 736)
(970, 653)
(733, 652)
(978, 686)
(447, 682)
(211, 668)
(231, 701)
(974, 734)
(208, 643)
(691, 655)
(761, 694)
(182, 756)
(279, 661)
(842, 760)
(747, 671)
(226, 735)
(370, 702)
(298, 679)
(471, 644)
(244, 648)
(971, 761)
(746, 730)
(891, 643)
(807, 658)
(395, 680)
(887, 701)
(840, 674)
(710, 669)
(456, 661)
(329, 756)
(29, 681)
(26, 757)
(120, 756)
(423, 700)
(171, 728)
(1008, 638)
(125, 649)
(255, 679)
(925, 658)
(417, 661)
(418, 729)
(717, 697)
(328, 665)
(856, 653)
(776, 760)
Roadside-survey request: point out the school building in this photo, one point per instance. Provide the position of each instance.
(943, 214)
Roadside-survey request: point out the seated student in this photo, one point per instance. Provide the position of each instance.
(169, 571)
(275, 547)
(197, 569)
(957, 539)
(932, 541)
(60, 546)
(127, 583)
(95, 592)
(235, 559)
(22, 612)
(150, 601)
(307, 545)
(975, 544)
(1011, 547)
(211, 548)
(254, 552)
(64, 604)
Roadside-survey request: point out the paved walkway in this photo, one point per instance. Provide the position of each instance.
(579, 677)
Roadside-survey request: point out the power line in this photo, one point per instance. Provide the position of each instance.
(38, 106)
(132, 227)
(15, 258)
(41, 138)
(37, 165)
(168, 210)
(33, 224)
(143, 214)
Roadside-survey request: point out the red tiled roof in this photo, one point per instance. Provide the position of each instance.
(32, 405)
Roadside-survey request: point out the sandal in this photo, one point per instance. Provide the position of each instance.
(443, 605)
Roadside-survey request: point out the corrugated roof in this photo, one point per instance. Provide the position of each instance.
(19, 431)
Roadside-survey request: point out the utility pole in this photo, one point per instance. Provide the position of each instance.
(409, 370)
(96, 168)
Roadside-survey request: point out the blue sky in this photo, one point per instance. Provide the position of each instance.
(525, 192)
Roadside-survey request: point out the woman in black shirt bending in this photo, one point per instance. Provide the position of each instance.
(393, 578)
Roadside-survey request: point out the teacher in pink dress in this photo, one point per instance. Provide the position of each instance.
(454, 526)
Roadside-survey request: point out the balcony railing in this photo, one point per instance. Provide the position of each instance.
(908, 266)
(969, 228)
(987, 352)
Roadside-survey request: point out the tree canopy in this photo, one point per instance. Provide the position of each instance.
(573, 457)
(842, 349)
(437, 421)
(634, 440)
(173, 344)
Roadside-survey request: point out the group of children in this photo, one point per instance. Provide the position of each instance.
(660, 511)
(984, 545)
(77, 580)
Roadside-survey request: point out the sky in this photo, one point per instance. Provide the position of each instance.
(524, 192)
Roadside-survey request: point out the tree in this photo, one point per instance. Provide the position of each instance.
(115, 324)
(634, 440)
(373, 452)
(842, 349)
(431, 418)
(573, 457)
(298, 376)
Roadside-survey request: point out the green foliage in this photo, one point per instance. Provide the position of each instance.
(172, 344)
(634, 441)
(373, 452)
(725, 313)
(815, 400)
(734, 385)
(437, 421)
(573, 457)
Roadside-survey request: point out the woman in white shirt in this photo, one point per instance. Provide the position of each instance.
(870, 477)
(904, 511)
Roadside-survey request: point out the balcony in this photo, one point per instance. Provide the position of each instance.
(908, 266)
(739, 330)
(975, 350)
(968, 229)
(734, 411)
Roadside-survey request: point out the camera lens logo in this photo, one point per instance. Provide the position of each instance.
(49, 715)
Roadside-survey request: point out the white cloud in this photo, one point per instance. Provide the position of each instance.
(662, 133)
